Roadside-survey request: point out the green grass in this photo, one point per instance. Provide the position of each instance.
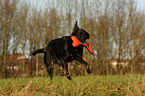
(112, 85)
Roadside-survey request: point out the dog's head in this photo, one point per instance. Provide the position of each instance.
(81, 34)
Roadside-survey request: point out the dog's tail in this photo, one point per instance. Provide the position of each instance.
(38, 51)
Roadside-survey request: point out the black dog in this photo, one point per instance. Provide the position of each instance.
(60, 51)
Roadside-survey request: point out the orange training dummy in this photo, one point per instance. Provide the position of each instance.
(76, 43)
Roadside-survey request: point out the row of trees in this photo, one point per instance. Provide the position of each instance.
(116, 28)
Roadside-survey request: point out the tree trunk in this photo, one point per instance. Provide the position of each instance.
(5, 54)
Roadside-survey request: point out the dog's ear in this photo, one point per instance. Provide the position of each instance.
(75, 30)
(76, 26)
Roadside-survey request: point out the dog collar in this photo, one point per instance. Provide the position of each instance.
(76, 43)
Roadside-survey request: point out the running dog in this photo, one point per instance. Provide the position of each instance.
(66, 49)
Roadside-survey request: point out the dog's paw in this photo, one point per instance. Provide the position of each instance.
(68, 77)
(89, 71)
(62, 75)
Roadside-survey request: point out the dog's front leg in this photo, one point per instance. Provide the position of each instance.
(65, 68)
(87, 66)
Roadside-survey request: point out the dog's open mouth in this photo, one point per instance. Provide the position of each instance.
(76, 43)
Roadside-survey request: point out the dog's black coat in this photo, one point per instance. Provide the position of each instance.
(60, 51)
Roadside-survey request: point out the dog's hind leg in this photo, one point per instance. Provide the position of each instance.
(50, 71)
(65, 67)
(49, 65)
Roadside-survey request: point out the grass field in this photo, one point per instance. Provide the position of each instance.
(112, 85)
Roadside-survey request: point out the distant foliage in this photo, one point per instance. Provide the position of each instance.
(116, 28)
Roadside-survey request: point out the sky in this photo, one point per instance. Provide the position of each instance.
(140, 4)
